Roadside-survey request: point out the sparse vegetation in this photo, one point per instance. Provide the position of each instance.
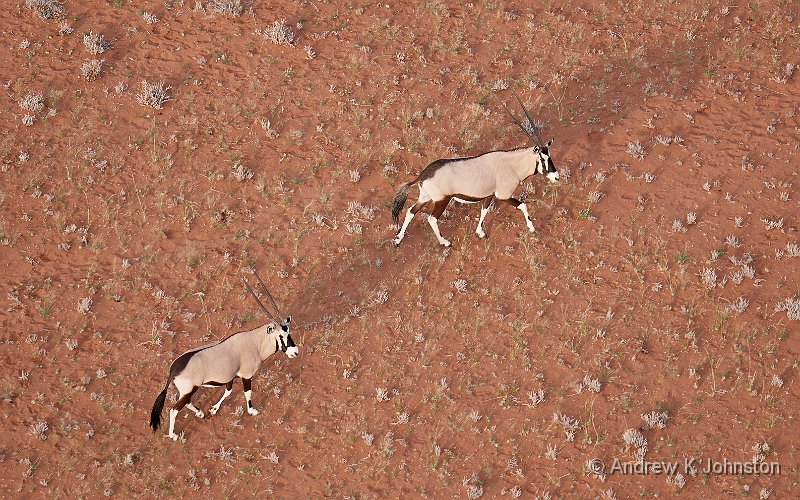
(279, 33)
(90, 69)
(47, 9)
(95, 43)
(153, 94)
(656, 303)
(231, 8)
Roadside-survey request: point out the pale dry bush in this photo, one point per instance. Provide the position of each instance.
(677, 226)
(655, 419)
(773, 224)
(636, 150)
(739, 305)
(568, 424)
(38, 429)
(634, 438)
(231, 8)
(460, 285)
(791, 306)
(678, 480)
(95, 43)
(47, 9)
(33, 102)
(359, 211)
(536, 398)
(242, 173)
(592, 384)
(153, 94)
(279, 33)
(90, 69)
(65, 29)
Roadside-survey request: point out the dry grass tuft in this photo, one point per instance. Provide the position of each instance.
(279, 33)
(153, 94)
(47, 9)
(95, 43)
(231, 8)
(90, 69)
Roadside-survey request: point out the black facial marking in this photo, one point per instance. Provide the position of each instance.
(282, 345)
(290, 341)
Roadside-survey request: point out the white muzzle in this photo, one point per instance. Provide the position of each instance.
(292, 351)
(552, 176)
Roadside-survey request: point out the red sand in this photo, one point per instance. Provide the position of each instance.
(140, 211)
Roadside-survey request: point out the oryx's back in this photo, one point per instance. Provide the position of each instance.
(473, 176)
(221, 361)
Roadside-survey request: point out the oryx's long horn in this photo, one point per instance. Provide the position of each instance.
(259, 302)
(274, 305)
(534, 128)
(519, 124)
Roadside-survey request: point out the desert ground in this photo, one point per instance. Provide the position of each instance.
(154, 153)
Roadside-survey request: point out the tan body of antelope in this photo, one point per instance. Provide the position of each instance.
(482, 178)
(493, 175)
(218, 364)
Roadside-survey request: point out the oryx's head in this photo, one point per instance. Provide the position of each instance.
(283, 339)
(544, 163)
(280, 328)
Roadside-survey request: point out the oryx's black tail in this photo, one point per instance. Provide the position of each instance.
(155, 413)
(158, 406)
(400, 201)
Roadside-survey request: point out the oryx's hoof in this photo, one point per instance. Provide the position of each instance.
(445, 243)
(397, 241)
(200, 414)
(480, 233)
(252, 411)
(213, 410)
(173, 436)
(531, 229)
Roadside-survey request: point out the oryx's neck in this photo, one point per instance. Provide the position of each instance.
(266, 341)
(523, 162)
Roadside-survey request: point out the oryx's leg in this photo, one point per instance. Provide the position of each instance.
(228, 389)
(247, 385)
(524, 209)
(484, 210)
(173, 412)
(438, 210)
(198, 412)
(412, 210)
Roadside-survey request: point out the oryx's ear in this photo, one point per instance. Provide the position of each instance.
(288, 320)
(549, 143)
(270, 327)
(536, 149)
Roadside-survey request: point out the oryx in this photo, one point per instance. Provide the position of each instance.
(473, 179)
(218, 364)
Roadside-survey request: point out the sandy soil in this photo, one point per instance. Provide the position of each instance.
(663, 278)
